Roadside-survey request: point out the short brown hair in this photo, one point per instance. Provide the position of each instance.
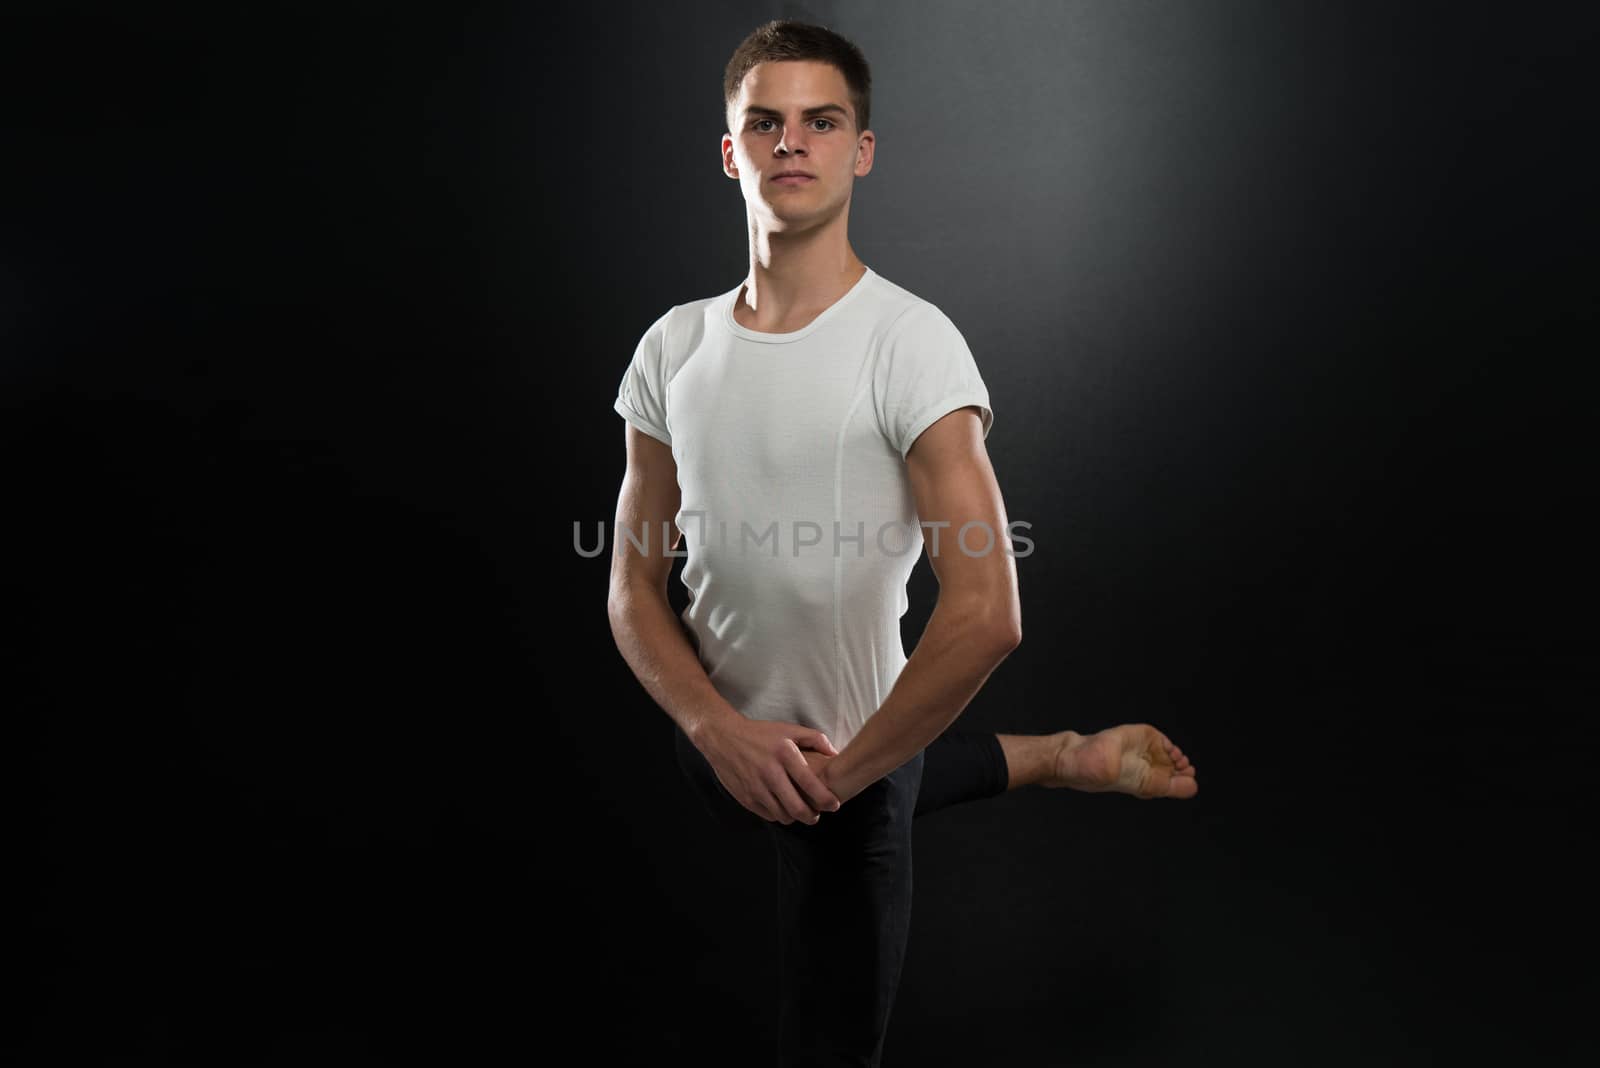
(785, 39)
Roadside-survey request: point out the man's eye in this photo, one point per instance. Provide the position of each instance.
(760, 122)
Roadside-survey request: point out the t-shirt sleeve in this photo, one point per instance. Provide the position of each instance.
(642, 394)
(925, 370)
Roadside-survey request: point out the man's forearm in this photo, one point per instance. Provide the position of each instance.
(652, 640)
(954, 658)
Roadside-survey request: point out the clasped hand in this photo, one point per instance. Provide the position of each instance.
(774, 769)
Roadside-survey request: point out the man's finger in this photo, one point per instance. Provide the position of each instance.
(791, 802)
(807, 738)
(822, 799)
(820, 743)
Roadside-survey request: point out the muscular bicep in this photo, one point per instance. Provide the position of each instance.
(647, 506)
(953, 483)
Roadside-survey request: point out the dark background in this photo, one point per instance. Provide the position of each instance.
(312, 319)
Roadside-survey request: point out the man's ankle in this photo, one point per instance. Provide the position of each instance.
(1031, 758)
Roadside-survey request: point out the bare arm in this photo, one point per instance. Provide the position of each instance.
(976, 622)
(647, 631)
(759, 762)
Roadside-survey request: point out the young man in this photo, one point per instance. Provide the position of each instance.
(803, 430)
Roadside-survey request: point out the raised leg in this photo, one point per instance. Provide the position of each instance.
(1031, 758)
(1134, 758)
(961, 766)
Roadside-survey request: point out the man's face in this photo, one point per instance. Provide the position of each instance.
(795, 115)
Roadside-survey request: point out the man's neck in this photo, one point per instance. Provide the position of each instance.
(794, 286)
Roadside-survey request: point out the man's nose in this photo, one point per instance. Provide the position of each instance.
(791, 141)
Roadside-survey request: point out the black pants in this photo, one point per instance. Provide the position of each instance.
(844, 892)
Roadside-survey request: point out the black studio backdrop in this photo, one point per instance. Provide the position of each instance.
(312, 321)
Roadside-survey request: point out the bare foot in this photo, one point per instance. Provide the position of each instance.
(1134, 759)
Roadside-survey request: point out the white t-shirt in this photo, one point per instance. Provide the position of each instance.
(800, 526)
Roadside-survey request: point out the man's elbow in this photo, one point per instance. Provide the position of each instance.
(989, 621)
(1007, 635)
(999, 631)
(627, 596)
(621, 603)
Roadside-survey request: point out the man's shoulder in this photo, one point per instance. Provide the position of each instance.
(891, 293)
(895, 306)
(688, 311)
(676, 331)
